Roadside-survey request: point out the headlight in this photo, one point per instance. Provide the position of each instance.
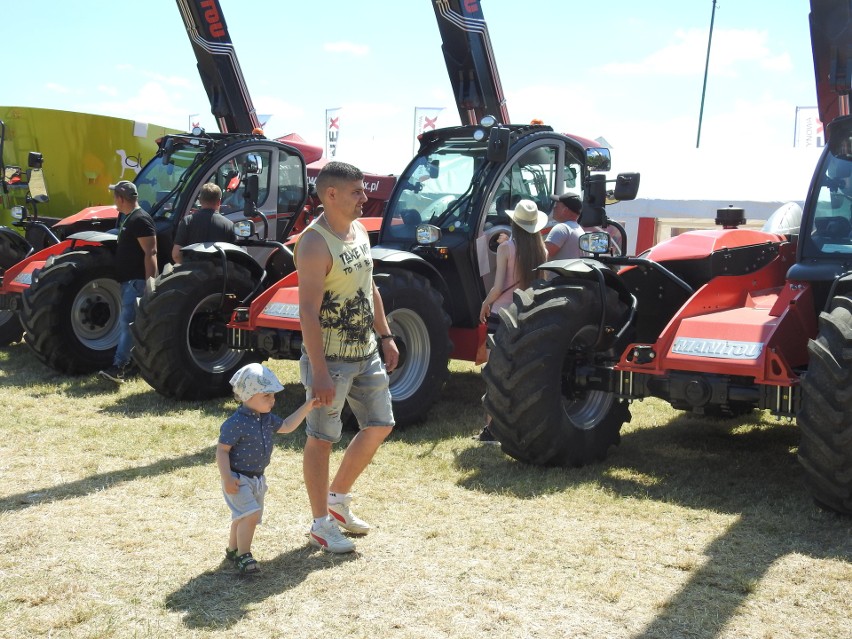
(428, 234)
(244, 228)
(597, 242)
(18, 212)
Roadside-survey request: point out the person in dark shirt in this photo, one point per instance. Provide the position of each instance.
(135, 262)
(244, 451)
(205, 225)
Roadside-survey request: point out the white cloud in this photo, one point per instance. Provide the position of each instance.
(108, 90)
(687, 55)
(346, 47)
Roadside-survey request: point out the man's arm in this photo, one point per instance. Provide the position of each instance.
(380, 325)
(176, 255)
(314, 263)
(149, 247)
(554, 240)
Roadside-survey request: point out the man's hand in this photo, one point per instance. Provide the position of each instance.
(391, 353)
(323, 388)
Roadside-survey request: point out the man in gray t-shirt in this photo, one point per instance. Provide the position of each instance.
(205, 225)
(563, 241)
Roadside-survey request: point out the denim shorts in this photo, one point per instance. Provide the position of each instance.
(364, 384)
(249, 497)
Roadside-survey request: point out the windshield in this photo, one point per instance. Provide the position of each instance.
(831, 227)
(157, 180)
(436, 189)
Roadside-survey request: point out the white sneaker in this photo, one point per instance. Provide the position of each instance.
(328, 537)
(345, 519)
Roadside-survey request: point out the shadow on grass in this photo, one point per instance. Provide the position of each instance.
(739, 467)
(218, 599)
(102, 481)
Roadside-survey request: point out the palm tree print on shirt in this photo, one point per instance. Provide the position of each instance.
(351, 319)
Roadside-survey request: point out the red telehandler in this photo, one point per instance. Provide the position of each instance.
(436, 251)
(714, 322)
(69, 296)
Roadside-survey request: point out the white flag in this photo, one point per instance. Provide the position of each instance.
(809, 131)
(425, 119)
(332, 131)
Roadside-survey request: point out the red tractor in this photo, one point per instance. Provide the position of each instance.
(715, 322)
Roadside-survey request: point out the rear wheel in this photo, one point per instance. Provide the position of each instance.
(825, 418)
(541, 412)
(71, 311)
(417, 318)
(11, 252)
(179, 333)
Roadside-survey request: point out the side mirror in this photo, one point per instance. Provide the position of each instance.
(598, 158)
(253, 163)
(35, 160)
(167, 151)
(594, 213)
(498, 145)
(626, 186)
(251, 191)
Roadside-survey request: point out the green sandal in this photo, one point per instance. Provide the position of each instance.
(231, 555)
(247, 565)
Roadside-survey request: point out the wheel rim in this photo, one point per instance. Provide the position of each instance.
(414, 353)
(95, 312)
(588, 411)
(205, 338)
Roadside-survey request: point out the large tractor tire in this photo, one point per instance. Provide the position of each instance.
(11, 330)
(417, 318)
(825, 417)
(540, 413)
(179, 332)
(71, 311)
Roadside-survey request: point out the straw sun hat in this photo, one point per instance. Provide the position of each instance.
(528, 217)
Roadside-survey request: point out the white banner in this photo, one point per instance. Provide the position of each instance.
(425, 119)
(332, 131)
(809, 131)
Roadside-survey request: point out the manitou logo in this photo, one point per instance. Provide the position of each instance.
(717, 348)
(214, 20)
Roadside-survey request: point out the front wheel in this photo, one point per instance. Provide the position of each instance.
(537, 372)
(825, 418)
(416, 316)
(179, 333)
(71, 311)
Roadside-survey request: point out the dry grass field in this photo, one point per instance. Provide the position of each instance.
(112, 525)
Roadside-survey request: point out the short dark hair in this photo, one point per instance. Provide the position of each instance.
(336, 172)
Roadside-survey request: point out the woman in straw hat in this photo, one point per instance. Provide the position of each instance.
(517, 261)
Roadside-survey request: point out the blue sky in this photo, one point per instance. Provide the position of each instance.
(629, 71)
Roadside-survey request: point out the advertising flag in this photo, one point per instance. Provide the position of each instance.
(332, 131)
(808, 131)
(425, 119)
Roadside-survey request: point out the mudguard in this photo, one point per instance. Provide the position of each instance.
(17, 244)
(215, 251)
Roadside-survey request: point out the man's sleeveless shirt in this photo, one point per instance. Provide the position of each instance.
(346, 313)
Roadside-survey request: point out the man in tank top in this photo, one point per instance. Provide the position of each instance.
(343, 326)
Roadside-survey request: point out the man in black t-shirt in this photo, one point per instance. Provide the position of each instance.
(135, 262)
(205, 225)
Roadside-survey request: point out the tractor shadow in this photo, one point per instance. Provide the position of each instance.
(740, 467)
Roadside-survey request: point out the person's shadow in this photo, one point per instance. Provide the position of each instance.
(220, 597)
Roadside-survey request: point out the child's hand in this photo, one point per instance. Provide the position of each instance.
(314, 402)
(231, 485)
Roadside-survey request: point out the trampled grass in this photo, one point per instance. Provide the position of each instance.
(112, 525)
